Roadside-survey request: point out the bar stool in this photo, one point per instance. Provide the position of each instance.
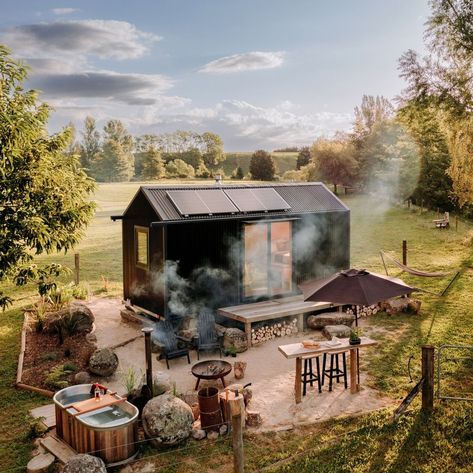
(335, 372)
(308, 376)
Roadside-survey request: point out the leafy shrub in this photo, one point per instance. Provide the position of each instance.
(70, 367)
(36, 428)
(54, 376)
(178, 168)
(80, 292)
(49, 356)
(130, 379)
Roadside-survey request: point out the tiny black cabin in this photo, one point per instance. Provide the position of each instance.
(221, 245)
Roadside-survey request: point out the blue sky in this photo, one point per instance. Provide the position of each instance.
(261, 73)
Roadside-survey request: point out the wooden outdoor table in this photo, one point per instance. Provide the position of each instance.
(297, 351)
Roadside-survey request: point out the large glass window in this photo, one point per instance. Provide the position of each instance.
(268, 259)
(141, 247)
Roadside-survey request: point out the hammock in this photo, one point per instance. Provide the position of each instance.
(416, 272)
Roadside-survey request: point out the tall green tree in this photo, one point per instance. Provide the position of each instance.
(441, 84)
(262, 167)
(213, 149)
(152, 165)
(44, 193)
(333, 161)
(90, 144)
(303, 157)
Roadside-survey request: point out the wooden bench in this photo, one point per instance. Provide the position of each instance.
(442, 222)
(294, 306)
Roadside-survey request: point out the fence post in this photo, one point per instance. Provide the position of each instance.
(237, 433)
(149, 366)
(428, 375)
(456, 223)
(77, 268)
(404, 252)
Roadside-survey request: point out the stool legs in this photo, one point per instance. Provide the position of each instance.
(308, 376)
(334, 371)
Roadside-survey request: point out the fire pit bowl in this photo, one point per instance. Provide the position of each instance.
(211, 369)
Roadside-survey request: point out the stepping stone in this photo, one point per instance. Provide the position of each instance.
(319, 321)
(340, 331)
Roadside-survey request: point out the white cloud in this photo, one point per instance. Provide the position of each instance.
(64, 11)
(106, 39)
(245, 62)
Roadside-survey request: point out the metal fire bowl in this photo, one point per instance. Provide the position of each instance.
(201, 370)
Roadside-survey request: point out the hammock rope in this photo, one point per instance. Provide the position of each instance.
(415, 272)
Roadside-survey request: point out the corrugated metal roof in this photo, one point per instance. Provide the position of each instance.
(303, 198)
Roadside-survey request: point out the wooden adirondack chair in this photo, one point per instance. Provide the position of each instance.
(443, 222)
(166, 336)
(208, 338)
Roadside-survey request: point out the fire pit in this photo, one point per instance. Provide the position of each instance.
(211, 369)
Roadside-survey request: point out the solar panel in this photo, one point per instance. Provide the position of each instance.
(245, 200)
(216, 201)
(271, 199)
(257, 200)
(201, 202)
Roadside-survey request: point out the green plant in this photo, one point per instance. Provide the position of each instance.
(36, 428)
(68, 366)
(67, 326)
(355, 333)
(231, 350)
(54, 376)
(49, 356)
(80, 291)
(39, 314)
(130, 379)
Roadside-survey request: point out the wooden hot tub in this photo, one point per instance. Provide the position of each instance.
(105, 428)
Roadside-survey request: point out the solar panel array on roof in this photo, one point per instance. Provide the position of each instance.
(201, 202)
(257, 200)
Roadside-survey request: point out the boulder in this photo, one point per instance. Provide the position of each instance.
(161, 383)
(319, 321)
(212, 435)
(42, 463)
(82, 377)
(103, 362)
(77, 316)
(340, 331)
(223, 429)
(253, 418)
(234, 337)
(220, 329)
(167, 420)
(84, 463)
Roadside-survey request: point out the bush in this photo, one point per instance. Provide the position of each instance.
(54, 376)
(80, 292)
(178, 168)
(262, 166)
(293, 176)
(238, 173)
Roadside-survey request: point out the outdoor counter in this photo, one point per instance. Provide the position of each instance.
(297, 351)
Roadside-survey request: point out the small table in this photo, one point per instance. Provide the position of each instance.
(211, 369)
(297, 351)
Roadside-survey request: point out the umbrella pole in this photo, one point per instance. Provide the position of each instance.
(357, 350)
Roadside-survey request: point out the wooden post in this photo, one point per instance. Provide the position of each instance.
(300, 322)
(354, 386)
(409, 204)
(428, 375)
(77, 268)
(237, 434)
(404, 252)
(248, 333)
(149, 364)
(297, 383)
(456, 223)
(422, 206)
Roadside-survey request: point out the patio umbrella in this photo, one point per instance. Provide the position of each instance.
(354, 286)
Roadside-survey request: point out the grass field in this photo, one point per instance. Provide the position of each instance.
(442, 442)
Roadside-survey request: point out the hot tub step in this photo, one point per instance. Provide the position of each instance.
(58, 448)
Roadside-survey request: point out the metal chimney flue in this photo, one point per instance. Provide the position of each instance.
(149, 366)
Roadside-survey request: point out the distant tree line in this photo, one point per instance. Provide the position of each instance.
(114, 155)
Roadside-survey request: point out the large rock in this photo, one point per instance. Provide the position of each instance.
(103, 362)
(234, 337)
(161, 383)
(167, 420)
(403, 304)
(82, 377)
(84, 463)
(319, 321)
(340, 331)
(77, 316)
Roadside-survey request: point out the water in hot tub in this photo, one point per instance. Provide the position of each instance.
(107, 417)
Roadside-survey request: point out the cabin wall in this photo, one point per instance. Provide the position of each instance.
(139, 285)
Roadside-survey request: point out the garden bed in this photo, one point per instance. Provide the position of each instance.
(44, 355)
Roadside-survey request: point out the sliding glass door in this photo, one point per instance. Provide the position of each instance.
(268, 259)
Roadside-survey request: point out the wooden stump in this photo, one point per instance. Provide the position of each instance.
(253, 418)
(42, 463)
(239, 368)
(226, 398)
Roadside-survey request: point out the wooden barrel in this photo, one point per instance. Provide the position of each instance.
(210, 413)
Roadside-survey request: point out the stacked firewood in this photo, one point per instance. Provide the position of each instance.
(363, 311)
(270, 332)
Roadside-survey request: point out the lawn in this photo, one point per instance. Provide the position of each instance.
(442, 442)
